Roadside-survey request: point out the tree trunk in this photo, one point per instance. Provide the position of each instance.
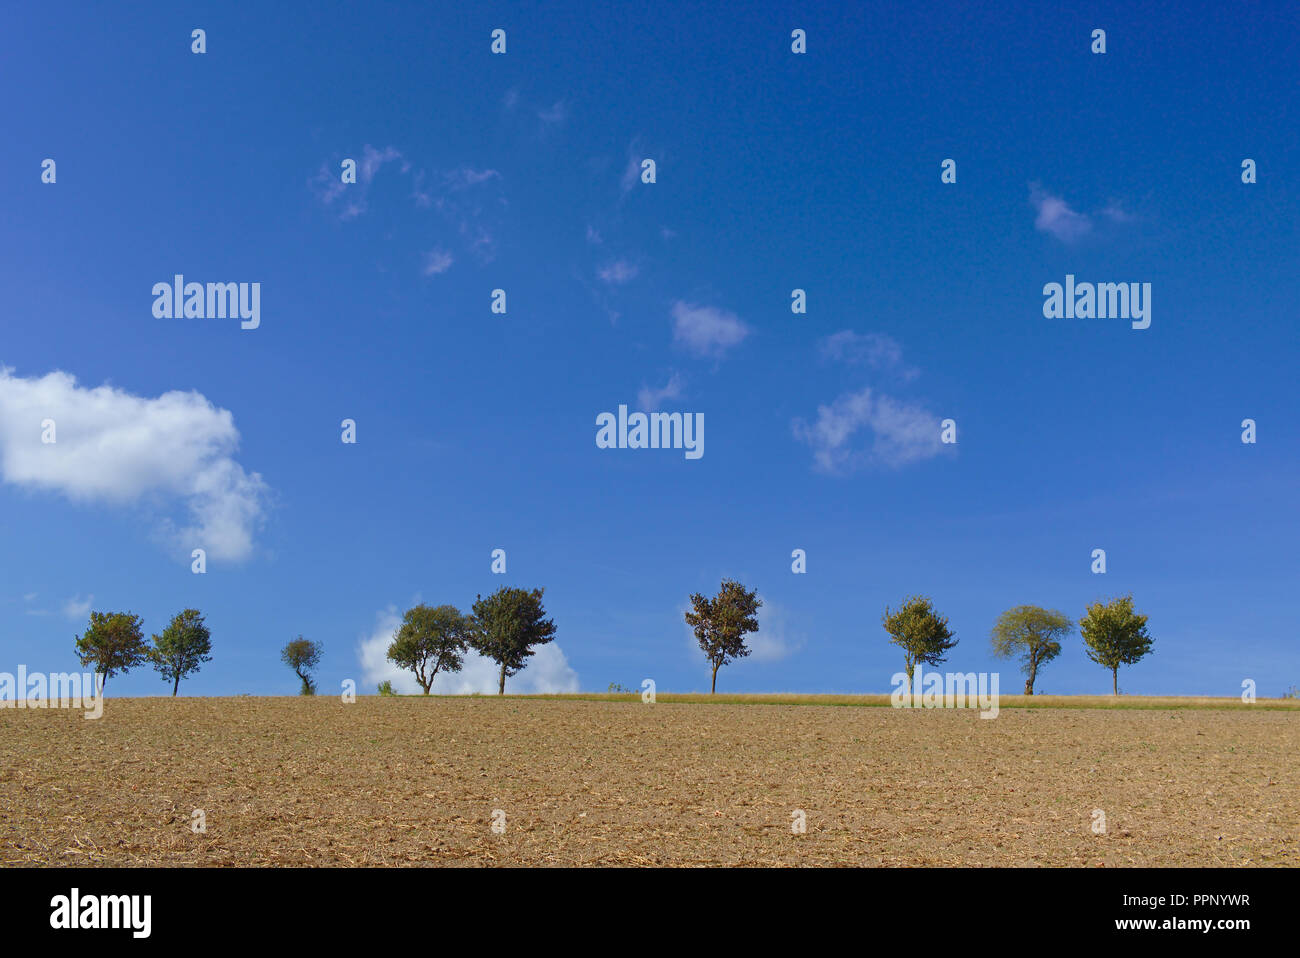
(501, 688)
(176, 686)
(714, 687)
(1029, 682)
(1114, 685)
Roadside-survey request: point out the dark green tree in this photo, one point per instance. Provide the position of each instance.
(183, 646)
(303, 655)
(507, 624)
(919, 631)
(721, 623)
(430, 640)
(1115, 635)
(1032, 633)
(113, 642)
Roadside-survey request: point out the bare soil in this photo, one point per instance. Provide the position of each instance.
(413, 781)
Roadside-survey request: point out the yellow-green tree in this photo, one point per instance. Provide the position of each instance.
(113, 642)
(1032, 633)
(1115, 635)
(920, 631)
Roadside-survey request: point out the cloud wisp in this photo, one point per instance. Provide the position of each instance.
(706, 331)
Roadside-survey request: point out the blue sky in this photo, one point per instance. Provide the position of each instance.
(476, 430)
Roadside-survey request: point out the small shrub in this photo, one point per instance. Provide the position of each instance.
(386, 688)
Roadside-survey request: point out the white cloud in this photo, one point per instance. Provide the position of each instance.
(631, 174)
(873, 350)
(1056, 217)
(372, 160)
(116, 448)
(436, 261)
(706, 330)
(555, 114)
(593, 235)
(618, 272)
(78, 609)
(547, 671)
(901, 432)
(467, 176)
(773, 641)
(1116, 213)
(648, 399)
(329, 186)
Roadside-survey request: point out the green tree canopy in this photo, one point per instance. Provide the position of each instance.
(721, 623)
(1032, 633)
(430, 640)
(507, 624)
(183, 646)
(303, 655)
(921, 632)
(1115, 635)
(113, 642)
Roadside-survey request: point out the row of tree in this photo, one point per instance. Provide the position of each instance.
(114, 642)
(1114, 634)
(507, 625)
(504, 627)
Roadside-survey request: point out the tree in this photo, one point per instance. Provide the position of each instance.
(430, 640)
(921, 632)
(721, 623)
(1033, 634)
(303, 655)
(1115, 635)
(114, 642)
(183, 646)
(507, 624)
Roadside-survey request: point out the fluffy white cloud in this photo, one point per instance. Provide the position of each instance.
(548, 671)
(706, 330)
(116, 448)
(901, 432)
